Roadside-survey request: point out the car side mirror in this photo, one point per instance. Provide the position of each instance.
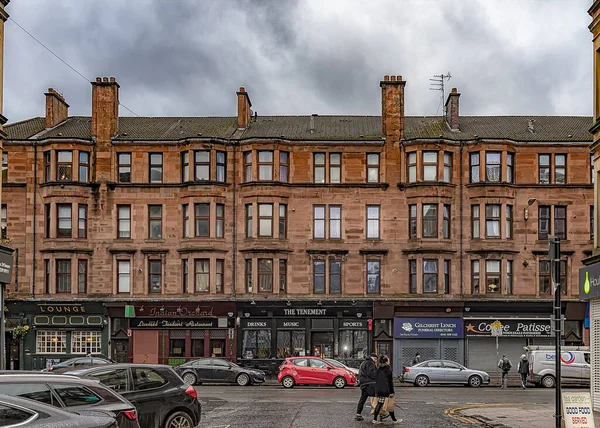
(328, 367)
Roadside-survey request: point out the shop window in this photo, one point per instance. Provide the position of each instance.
(156, 167)
(202, 220)
(543, 222)
(335, 168)
(155, 276)
(86, 342)
(319, 167)
(291, 343)
(447, 264)
(353, 344)
(493, 162)
(124, 167)
(447, 167)
(492, 221)
(446, 222)
(318, 276)
(282, 275)
(430, 166)
(185, 166)
(560, 169)
(430, 221)
(335, 222)
(155, 221)
(265, 220)
(124, 276)
(492, 276)
(221, 166)
(475, 221)
(430, 276)
(48, 166)
(373, 276)
(84, 167)
(220, 221)
(82, 221)
(198, 345)
(177, 343)
(64, 221)
(248, 275)
(284, 166)
(63, 276)
(64, 170)
(282, 220)
(322, 344)
(475, 276)
(544, 169)
(265, 166)
(474, 164)
(51, 342)
(412, 220)
(248, 220)
(82, 269)
(247, 167)
(509, 277)
(124, 221)
(319, 221)
(202, 273)
(372, 221)
(560, 222)
(373, 167)
(411, 160)
(510, 167)
(335, 276)
(185, 209)
(219, 277)
(412, 278)
(509, 222)
(256, 344)
(265, 275)
(217, 347)
(202, 165)
(184, 275)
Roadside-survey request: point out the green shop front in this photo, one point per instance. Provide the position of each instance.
(43, 334)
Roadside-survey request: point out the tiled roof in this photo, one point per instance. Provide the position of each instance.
(546, 128)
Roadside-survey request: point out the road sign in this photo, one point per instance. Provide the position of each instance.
(577, 410)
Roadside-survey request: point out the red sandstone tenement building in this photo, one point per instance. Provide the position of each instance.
(258, 237)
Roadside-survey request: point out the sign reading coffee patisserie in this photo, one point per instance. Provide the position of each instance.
(510, 327)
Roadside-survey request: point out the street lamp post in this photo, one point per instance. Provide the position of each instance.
(554, 255)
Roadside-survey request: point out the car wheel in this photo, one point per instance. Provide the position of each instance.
(243, 379)
(189, 378)
(179, 420)
(288, 382)
(475, 381)
(339, 382)
(548, 381)
(421, 380)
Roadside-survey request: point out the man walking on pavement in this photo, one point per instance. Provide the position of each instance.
(505, 365)
(367, 375)
(523, 369)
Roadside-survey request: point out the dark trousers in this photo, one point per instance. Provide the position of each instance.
(524, 379)
(361, 402)
(378, 409)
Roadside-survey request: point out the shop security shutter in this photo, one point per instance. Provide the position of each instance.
(482, 355)
(595, 352)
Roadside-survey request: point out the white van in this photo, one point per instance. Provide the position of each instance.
(575, 365)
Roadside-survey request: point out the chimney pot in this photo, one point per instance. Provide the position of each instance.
(393, 78)
(399, 78)
(57, 109)
(112, 79)
(454, 90)
(386, 78)
(105, 79)
(98, 79)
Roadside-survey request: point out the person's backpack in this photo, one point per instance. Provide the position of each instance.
(506, 365)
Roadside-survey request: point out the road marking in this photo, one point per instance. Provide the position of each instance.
(451, 413)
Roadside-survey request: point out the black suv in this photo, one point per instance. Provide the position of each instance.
(161, 397)
(69, 393)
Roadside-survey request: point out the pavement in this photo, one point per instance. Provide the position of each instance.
(326, 407)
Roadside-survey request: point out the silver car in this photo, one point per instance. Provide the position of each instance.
(443, 371)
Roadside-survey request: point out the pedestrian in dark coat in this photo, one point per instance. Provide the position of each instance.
(384, 388)
(366, 380)
(523, 370)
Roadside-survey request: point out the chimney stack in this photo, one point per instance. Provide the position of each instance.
(57, 109)
(392, 108)
(244, 113)
(105, 108)
(452, 111)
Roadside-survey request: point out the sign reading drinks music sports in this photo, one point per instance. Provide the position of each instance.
(510, 327)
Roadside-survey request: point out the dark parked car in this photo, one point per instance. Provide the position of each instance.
(22, 412)
(214, 370)
(161, 397)
(79, 361)
(69, 393)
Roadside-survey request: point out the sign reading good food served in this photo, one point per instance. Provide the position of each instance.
(430, 328)
(577, 410)
(509, 327)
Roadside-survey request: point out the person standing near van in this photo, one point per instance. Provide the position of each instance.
(505, 365)
(523, 369)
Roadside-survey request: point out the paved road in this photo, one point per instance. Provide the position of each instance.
(316, 407)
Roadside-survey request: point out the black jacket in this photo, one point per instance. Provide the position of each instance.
(523, 366)
(366, 375)
(384, 384)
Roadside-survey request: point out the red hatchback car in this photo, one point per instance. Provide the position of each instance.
(313, 371)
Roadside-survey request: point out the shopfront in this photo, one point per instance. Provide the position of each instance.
(47, 333)
(173, 332)
(269, 333)
(432, 338)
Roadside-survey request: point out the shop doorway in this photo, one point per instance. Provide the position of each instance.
(120, 350)
(322, 344)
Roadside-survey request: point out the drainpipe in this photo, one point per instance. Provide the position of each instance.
(461, 220)
(34, 246)
(234, 228)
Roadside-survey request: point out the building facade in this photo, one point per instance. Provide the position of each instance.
(320, 235)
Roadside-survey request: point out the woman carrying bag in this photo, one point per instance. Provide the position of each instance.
(384, 388)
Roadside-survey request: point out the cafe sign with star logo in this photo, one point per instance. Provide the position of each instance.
(533, 327)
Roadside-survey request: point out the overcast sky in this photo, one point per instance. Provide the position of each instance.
(188, 57)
